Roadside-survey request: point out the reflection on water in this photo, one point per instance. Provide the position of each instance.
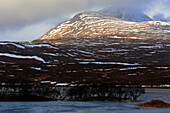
(85, 107)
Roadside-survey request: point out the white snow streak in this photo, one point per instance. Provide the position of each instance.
(112, 63)
(22, 57)
(14, 44)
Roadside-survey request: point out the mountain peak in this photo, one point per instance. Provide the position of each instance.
(89, 16)
(125, 14)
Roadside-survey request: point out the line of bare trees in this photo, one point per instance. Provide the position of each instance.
(77, 92)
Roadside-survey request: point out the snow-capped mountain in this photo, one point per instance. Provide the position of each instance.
(134, 52)
(125, 14)
(92, 24)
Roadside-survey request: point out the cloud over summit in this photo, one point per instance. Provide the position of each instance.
(19, 17)
(13, 11)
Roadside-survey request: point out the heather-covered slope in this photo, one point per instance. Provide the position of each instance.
(87, 60)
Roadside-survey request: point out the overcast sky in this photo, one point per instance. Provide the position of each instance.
(22, 20)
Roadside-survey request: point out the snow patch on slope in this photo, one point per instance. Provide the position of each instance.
(14, 44)
(40, 45)
(22, 57)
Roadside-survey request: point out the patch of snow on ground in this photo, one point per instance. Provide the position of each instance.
(41, 45)
(19, 69)
(84, 59)
(53, 82)
(150, 47)
(58, 43)
(2, 71)
(85, 52)
(115, 37)
(51, 54)
(110, 63)
(162, 67)
(62, 84)
(14, 44)
(2, 62)
(132, 68)
(22, 57)
(36, 68)
(11, 75)
(44, 82)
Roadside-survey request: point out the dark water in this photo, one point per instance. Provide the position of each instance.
(89, 107)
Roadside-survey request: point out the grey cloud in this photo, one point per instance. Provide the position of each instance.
(29, 19)
(28, 32)
(16, 11)
(159, 7)
(13, 11)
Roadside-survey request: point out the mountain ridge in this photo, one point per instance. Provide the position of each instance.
(95, 24)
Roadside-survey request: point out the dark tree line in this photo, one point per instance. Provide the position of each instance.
(83, 92)
(106, 91)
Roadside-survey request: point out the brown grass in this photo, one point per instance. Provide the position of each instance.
(155, 103)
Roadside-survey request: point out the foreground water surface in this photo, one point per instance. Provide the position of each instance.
(90, 106)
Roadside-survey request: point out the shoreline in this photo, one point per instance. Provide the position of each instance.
(156, 87)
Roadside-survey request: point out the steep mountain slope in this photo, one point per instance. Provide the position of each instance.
(125, 14)
(92, 24)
